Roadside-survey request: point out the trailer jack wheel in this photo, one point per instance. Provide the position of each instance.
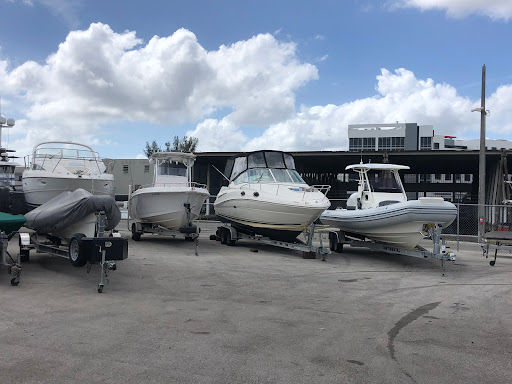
(135, 234)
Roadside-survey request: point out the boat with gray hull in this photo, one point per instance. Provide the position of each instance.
(380, 211)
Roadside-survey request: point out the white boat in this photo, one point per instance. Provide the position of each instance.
(173, 201)
(267, 196)
(59, 166)
(380, 211)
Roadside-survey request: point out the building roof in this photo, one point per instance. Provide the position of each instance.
(368, 166)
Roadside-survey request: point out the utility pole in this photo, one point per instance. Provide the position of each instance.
(481, 161)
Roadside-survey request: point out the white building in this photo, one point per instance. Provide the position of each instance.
(396, 136)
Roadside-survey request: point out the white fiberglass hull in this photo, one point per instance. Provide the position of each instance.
(86, 226)
(399, 224)
(165, 206)
(268, 214)
(40, 188)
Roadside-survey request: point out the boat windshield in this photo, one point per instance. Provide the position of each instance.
(171, 168)
(384, 181)
(265, 175)
(274, 160)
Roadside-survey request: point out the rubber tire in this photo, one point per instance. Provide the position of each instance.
(334, 245)
(25, 255)
(135, 235)
(224, 233)
(81, 259)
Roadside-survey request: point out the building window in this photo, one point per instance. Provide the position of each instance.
(125, 168)
(436, 145)
(467, 177)
(361, 144)
(425, 143)
(391, 143)
(355, 144)
(448, 177)
(146, 169)
(457, 177)
(437, 176)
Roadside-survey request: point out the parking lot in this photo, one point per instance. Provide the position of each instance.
(232, 315)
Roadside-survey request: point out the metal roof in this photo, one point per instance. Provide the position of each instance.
(382, 166)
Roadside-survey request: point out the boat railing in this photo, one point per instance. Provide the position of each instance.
(41, 155)
(189, 184)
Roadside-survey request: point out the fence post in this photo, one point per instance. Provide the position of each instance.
(458, 224)
(208, 207)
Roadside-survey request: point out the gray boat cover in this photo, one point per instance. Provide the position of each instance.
(69, 208)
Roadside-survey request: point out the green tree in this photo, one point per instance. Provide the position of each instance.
(151, 148)
(186, 144)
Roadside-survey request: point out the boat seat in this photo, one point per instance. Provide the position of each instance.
(387, 202)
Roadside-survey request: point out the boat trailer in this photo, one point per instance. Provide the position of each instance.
(337, 239)
(229, 235)
(497, 241)
(80, 250)
(190, 232)
(13, 264)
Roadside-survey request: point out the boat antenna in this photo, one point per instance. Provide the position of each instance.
(217, 169)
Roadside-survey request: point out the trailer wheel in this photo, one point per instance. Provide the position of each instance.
(75, 257)
(135, 234)
(333, 243)
(24, 255)
(224, 233)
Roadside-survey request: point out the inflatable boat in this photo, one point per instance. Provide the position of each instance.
(380, 211)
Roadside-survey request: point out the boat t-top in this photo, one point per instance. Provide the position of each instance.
(172, 201)
(380, 211)
(59, 166)
(267, 196)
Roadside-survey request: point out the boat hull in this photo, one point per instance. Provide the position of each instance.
(40, 189)
(166, 206)
(276, 220)
(399, 224)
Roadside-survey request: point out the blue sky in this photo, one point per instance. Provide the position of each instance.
(346, 42)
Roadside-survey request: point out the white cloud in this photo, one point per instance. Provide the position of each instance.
(400, 97)
(98, 76)
(495, 9)
(218, 135)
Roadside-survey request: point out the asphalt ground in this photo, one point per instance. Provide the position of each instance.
(232, 315)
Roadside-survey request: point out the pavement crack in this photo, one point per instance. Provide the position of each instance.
(406, 320)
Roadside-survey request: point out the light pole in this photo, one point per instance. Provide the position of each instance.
(481, 161)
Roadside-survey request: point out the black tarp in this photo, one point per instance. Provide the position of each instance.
(69, 208)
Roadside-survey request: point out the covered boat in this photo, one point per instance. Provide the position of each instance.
(380, 211)
(73, 213)
(11, 223)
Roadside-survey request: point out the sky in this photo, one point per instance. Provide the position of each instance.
(248, 75)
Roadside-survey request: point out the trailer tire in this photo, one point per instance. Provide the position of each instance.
(76, 258)
(135, 234)
(24, 255)
(333, 243)
(224, 233)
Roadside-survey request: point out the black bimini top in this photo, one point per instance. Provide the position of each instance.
(258, 159)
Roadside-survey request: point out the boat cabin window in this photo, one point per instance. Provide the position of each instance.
(239, 166)
(256, 160)
(384, 181)
(275, 159)
(171, 168)
(282, 176)
(289, 162)
(265, 175)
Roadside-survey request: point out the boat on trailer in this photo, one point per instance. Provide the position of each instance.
(380, 210)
